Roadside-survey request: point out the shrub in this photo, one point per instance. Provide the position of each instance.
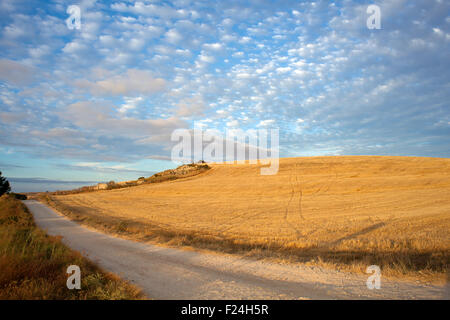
(19, 196)
(4, 185)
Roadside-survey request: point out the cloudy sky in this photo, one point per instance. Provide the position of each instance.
(99, 103)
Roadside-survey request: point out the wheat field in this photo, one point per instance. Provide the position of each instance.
(343, 210)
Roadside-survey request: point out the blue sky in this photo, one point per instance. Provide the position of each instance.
(100, 103)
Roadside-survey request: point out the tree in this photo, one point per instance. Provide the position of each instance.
(4, 185)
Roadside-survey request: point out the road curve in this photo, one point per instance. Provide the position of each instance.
(167, 273)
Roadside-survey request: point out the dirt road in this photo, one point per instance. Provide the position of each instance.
(166, 273)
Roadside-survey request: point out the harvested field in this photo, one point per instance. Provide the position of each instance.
(346, 212)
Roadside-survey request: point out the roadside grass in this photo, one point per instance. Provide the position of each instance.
(33, 264)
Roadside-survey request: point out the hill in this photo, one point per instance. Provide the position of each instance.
(346, 211)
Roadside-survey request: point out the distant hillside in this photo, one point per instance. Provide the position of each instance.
(183, 171)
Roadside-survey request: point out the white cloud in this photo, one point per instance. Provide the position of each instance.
(15, 73)
(88, 115)
(141, 8)
(283, 69)
(245, 39)
(266, 123)
(39, 52)
(130, 104)
(191, 107)
(136, 43)
(133, 82)
(206, 58)
(173, 36)
(232, 123)
(213, 46)
(74, 47)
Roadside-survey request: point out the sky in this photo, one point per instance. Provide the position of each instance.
(99, 103)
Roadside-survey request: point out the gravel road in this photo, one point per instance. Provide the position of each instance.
(168, 273)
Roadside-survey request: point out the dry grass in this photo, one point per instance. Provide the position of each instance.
(33, 265)
(344, 212)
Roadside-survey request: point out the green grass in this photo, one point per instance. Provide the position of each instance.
(33, 264)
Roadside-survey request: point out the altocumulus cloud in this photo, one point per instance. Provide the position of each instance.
(133, 82)
(115, 89)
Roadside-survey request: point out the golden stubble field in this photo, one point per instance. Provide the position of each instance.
(345, 211)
